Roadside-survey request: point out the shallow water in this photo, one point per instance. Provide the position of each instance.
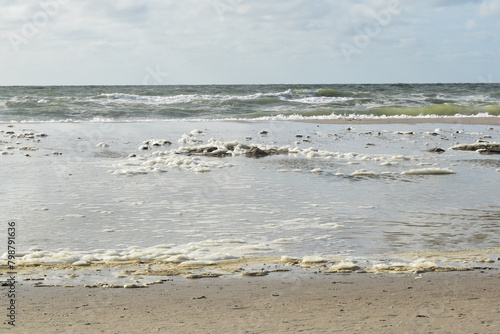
(342, 193)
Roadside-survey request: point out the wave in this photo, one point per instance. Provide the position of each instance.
(139, 103)
(151, 99)
(445, 109)
(186, 98)
(257, 118)
(322, 100)
(325, 97)
(327, 92)
(298, 117)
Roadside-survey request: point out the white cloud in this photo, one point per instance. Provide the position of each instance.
(215, 41)
(490, 8)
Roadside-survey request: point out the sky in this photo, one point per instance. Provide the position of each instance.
(164, 42)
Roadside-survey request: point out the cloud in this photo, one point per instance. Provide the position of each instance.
(241, 41)
(490, 8)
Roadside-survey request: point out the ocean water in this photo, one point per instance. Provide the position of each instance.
(153, 103)
(162, 175)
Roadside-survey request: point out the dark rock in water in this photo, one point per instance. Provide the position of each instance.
(488, 151)
(216, 152)
(482, 148)
(211, 149)
(263, 133)
(157, 143)
(256, 152)
(233, 148)
(435, 150)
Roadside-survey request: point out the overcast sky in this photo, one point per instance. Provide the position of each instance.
(103, 42)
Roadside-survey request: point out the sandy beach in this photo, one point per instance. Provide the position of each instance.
(447, 302)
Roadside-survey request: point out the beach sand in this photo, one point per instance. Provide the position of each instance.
(446, 302)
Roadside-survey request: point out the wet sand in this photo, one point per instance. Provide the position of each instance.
(447, 302)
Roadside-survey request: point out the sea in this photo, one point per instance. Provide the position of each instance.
(193, 177)
(159, 103)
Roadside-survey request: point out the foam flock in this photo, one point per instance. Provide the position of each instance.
(195, 156)
(202, 253)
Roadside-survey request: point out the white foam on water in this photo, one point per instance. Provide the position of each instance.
(159, 162)
(322, 99)
(330, 226)
(194, 156)
(424, 264)
(313, 259)
(207, 250)
(347, 265)
(428, 171)
(363, 172)
(397, 266)
(381, 266)
(401, 157)
(286, 240)
(190, 137)
(279, 117)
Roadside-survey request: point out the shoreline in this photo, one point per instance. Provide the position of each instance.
(317, 302)
(470, 120)
(494, 120)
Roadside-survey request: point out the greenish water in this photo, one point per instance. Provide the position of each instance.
(152, 103)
